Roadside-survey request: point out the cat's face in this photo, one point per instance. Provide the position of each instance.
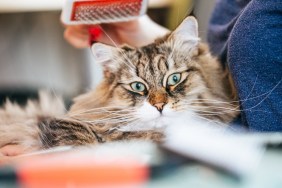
(160, 80)
(159, 84)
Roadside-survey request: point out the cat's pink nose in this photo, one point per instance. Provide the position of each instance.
(159, 106)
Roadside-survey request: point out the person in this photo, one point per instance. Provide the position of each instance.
(246, 35)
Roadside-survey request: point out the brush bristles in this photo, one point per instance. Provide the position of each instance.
(105, 10)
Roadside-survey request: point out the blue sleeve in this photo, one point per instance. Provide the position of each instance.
(253, 52)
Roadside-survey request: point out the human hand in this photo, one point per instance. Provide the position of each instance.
(136, 33)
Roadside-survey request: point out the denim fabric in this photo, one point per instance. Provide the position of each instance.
(247, 36)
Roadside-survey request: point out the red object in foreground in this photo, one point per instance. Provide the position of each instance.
(75, 170)
(95, 12)
(83, 10)
(94, 34)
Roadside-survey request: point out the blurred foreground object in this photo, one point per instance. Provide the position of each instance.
(144, 164)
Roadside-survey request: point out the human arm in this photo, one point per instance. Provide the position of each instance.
(136, 33)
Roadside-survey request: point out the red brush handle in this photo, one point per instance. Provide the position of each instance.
(94, 33)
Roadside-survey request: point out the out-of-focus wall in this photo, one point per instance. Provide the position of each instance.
(179, 9)
(203, 10)
(34, 54)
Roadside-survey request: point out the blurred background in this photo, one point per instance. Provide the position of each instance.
(34, 54)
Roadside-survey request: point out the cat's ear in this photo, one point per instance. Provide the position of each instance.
(105, 55)
(187, 32)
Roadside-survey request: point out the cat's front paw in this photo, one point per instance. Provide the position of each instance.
(11, 150)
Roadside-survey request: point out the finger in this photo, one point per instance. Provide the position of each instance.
(127, 24)
(109, 35)
(77, 37)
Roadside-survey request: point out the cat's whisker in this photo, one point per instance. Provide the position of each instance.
(208, 105)
(250, 91)
(109, 109)
(261, 95)
(109, 118)
(131, 124)
(104, 114)
(203, 112)
(227, 110)
(209, 101)
(105, 111)
(236, 107)
(128, 62)
(195, 108)
(214, 122)
(218, 124)
(212, 108)
(115, 116)
(222, 126)
(112, 121)
(266, 94)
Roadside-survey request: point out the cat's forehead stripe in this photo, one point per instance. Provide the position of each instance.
(151, 63)
(161, 63)
(170, 61)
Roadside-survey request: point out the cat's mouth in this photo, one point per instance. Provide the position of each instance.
(150, 118)
(157, 121)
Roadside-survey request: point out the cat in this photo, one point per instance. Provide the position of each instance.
(142, 91)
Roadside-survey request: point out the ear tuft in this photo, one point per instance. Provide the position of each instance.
(105, 55)
(102, 53)
(187, 31)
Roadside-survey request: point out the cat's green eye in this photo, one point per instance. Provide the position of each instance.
(174, 79)
(138, 86)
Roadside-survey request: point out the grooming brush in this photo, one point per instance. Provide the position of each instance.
(93, 12)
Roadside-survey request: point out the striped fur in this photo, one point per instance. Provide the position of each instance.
(100, 115)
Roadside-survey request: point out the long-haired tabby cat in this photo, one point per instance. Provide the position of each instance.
(174, 77)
